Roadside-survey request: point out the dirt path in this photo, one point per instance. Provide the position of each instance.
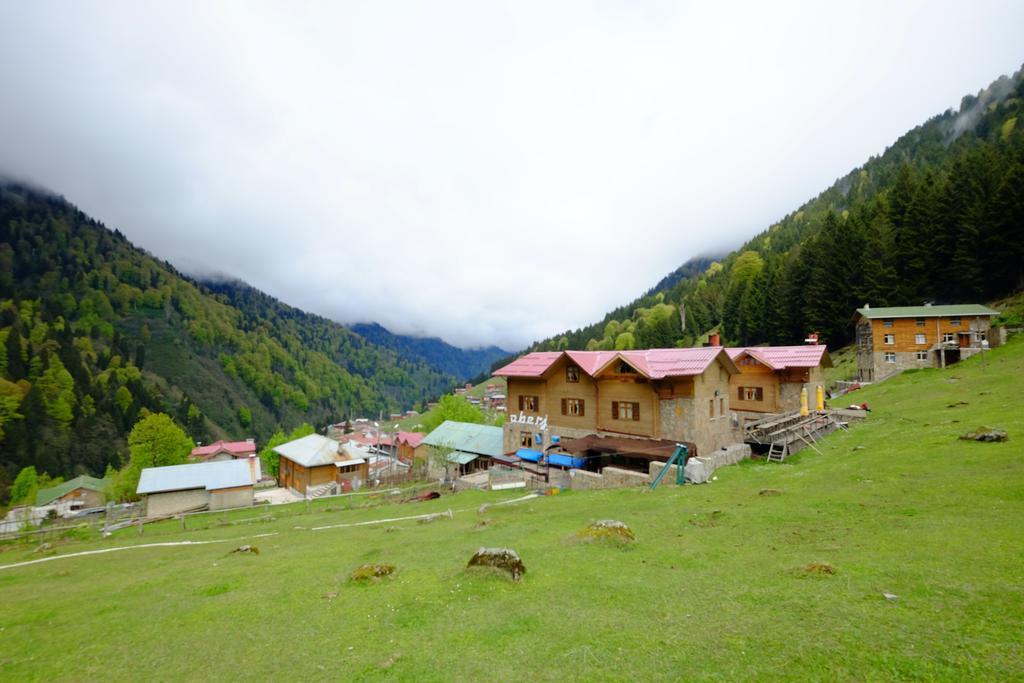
(165, 544)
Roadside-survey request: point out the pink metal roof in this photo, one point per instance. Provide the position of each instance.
(412, 438)
(652, 363)
(531, 365)
(778, 357)
(238, 448)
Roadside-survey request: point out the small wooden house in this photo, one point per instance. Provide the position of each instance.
(410, 447)
(80, 493)
(225, 450)
(771, 378)
(315, 460)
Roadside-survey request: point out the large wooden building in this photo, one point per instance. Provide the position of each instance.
(893, 339)
(659, 395)
(771, 378)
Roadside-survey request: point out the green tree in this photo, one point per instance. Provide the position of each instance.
(455, 408)
(25, 485)
(155, 441)
(244, 417)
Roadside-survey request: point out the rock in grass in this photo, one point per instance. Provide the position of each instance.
(608, 530)
(769, 492)
(247, 549)
(819, 568)
(504, 559)
(985, 434)
(371, 572)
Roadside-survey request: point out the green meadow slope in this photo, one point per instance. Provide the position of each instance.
(716, 586)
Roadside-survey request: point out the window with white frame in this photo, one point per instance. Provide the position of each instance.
(920, 339)
(890, 339)
(890, 357)
(887, 322)
(948, 337)
(920, 322)
(921, 355)
(954, 322)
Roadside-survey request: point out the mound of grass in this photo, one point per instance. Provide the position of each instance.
(371, 572)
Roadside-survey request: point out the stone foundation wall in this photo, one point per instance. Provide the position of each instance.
(609, 478)
(699, 469)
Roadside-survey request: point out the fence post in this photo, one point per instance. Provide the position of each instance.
(183, 516)
(140, 526)
(307, 506)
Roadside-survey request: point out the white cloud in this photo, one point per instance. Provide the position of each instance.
(488, 173)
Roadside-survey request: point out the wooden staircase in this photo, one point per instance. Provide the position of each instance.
(789, 433)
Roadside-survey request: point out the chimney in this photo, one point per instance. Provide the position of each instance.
(714, 339)
(867, 306)
(254, 469)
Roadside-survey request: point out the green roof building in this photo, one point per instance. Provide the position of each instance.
(896, 338)
(76, 494)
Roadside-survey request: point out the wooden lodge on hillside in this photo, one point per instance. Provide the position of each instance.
(771, 378)
(315, 461)
(898, 338)
(649, 399)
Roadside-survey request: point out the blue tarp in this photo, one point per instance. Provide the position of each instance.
(565, 460)
(529, 455)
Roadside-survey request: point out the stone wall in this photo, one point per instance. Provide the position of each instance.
(173, 502)
(231, 498)
(609, 478)
(699, 469)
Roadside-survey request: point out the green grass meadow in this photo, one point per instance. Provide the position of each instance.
(720, 583)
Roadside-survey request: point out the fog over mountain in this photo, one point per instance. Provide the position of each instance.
(485, 173)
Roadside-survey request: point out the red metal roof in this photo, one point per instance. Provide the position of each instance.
(651, 363)
(779, 357)
(412, 438)
(236, 448)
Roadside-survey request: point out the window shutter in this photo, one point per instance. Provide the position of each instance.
(615, 410)
(565, 407)
(581, 407)
(739, 394)
(636, 412)
(520, 403)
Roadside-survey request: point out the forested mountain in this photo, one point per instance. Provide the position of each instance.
(939, 216)
(462, 363)
(93, 330)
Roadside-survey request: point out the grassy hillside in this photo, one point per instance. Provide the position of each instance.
(725, 581)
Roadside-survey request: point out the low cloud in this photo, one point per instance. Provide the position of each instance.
(486, 173)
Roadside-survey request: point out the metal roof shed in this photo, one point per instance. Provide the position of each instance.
(205, 475)
(466, 437)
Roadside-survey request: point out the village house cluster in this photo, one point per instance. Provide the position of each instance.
(582, 411)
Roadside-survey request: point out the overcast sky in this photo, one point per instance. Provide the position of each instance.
(485, 172)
